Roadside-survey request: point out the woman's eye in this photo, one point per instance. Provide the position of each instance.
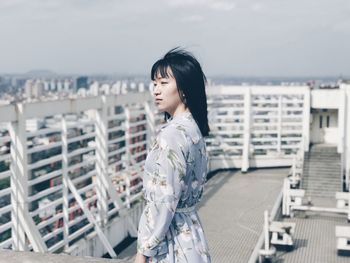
(164, 82)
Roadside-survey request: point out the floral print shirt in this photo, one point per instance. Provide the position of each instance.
(175, 173)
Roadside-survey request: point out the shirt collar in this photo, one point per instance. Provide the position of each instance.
(180, 115)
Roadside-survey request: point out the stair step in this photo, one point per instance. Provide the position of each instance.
(335, 158)
(320, 163)
(322, 156)
(320, 195)
(324, 171)
(315, 191)
(325, 183)
(321, 187)
(320, 184)
(317, 176)
(331, 182)
(329, 194)
(322, 175)
(321, 169)
(313, 161)
(321, 172)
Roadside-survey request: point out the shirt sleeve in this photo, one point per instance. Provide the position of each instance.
(163, 190)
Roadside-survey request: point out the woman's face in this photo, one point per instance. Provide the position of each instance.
(166, 95)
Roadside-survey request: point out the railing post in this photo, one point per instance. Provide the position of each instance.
(19, 178)
(65, 190)
(247, 132)
(341, 142)
(266, 230)
(127, 156)
(23, 224)
(279, 124)
(101, 129)
(306, 120)
(346, 140)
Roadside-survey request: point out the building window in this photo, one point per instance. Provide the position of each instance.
(321, 122)
(328, 121)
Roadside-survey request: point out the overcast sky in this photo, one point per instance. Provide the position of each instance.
(233, 38)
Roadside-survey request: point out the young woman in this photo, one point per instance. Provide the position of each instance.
(176, 165)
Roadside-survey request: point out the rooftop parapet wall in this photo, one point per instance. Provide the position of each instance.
(326, 99)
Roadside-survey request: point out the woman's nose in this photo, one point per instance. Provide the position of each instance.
(156, 90)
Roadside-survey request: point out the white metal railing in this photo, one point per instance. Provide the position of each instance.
(249, 124)
(64, 179)
(62, 156)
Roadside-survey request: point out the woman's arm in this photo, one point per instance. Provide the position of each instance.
(163, 189)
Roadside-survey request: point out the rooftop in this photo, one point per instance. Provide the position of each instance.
(232, 236)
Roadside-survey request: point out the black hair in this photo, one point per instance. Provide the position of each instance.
(190, 81)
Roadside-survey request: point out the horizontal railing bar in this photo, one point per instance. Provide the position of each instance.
(45, 193)
(49, 221)
(4, 139)
(44, 147)
(6, 243)
(133, 135)
(81, 164)
(4, 157)
(119, 116)
(45, 177)
(84, 177)
(5, 209)
(119, 139)
(80, 231)
(116, 128)
(52, 234)
(81, 137)
(44, 162)
(43, 131)
(5, 191)
(5, 226)
(80, 151)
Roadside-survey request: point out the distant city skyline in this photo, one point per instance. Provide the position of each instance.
(230, 38)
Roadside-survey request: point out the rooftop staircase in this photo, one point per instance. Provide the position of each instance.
(321, 172)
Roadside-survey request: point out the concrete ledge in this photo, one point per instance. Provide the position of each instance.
(9, 256)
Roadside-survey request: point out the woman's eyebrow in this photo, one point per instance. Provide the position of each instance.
(162, 78)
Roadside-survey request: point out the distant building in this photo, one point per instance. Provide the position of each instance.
(34, 89)
(28, 88)
(38, 89)
(67, 85)
(81, 82)
(116, 87)
(94, 88)
(52, 85)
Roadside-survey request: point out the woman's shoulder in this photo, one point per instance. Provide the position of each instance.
(172, 131)
(182, 128)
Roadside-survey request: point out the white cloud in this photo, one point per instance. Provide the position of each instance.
(256, 7)
(192, 18)
(219, 5)
(222, 5)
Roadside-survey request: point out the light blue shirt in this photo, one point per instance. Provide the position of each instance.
(174, 176)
